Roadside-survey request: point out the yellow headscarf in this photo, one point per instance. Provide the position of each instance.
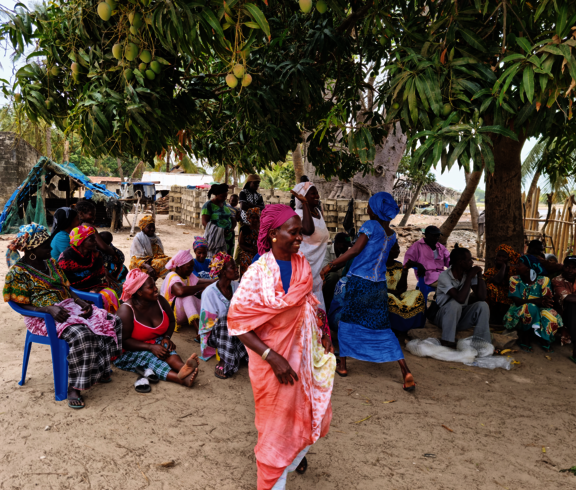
(145, 221)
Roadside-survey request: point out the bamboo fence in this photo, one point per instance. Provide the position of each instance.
(556, 230)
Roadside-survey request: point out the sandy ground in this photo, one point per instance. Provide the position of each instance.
(486, 429)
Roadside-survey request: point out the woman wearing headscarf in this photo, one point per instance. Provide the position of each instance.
(64, 221)
(37, 283)
(218, 221)
(181, 287)
(291, 368)
(201, 263)
(84, 267)
(249, 197)
(247, 240)
(214, 318)
(532, 305)
(147, 251)
(147, 325)
(364, 330)
(498, 282)
(316, 234)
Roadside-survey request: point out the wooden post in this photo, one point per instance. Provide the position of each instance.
(113, 224)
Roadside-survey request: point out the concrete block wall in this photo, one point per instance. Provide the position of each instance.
(17, 157)
(185, 205)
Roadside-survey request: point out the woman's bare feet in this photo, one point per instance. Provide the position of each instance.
(189, 367)
(189, 380)
(409, 383)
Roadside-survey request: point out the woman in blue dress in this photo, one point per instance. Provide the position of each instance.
(364, 330)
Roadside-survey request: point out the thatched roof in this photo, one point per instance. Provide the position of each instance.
(404, 187)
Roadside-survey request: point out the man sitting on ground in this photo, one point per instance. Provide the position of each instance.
(452, 294)
(428, 256)
(565, 295)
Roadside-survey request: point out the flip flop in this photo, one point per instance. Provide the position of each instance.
(573, 359)
(147, 373)
(77, 407)
(142, 385)
(219, 372)
(197, 340)
(303, 466)
(526, 348)
(342, 375)
(105, 379)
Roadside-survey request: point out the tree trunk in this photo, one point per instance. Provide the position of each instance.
(168, 160)
(120, 171)
(461, 205)
(504, 198)
(297, 162)
(386, 160)
(473, 207)
(66, 157)
(534, 183)
(226, 172)
(49, 142)
(411, 205)
(37, 139)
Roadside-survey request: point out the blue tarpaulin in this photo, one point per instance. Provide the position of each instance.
(96, 192)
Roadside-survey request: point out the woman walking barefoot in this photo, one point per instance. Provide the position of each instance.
(364, 331)
(275, 314)
(147, 328)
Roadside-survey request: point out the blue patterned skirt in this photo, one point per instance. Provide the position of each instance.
(129, 361)
(364, 330)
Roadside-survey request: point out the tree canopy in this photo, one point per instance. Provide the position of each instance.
(458, 75)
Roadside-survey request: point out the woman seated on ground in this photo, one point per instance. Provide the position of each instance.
(84, 267)
(181, 288)
(214, 318)
(498, 282)
(147, 326)
(37, 283)
(64, 221)
(219, 222)
(147, 251)
(201, 263)
(247, 240)
(532, 306)
(114, 265)
(405, 308)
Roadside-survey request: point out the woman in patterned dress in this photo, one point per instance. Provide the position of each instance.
(214, 318)
(219, 222)
(37, 283)
(84, 267)
(274, 313)
(531, 311)
(498, 281)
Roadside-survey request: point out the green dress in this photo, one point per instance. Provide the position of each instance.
(544, 321)
(221, 217)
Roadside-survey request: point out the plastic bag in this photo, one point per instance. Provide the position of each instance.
(484, 348)
(431, 348)
(493, 362)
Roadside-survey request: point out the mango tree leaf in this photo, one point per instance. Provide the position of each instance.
(259, 18)
(528, 79)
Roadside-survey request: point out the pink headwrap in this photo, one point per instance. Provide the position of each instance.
(134, 281)
(181, 258)
(273, 216)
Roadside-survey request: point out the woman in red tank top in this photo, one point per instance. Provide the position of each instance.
(147, 328)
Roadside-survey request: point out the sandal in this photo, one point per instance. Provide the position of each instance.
(105, 379)
(76, 407)
(409, 377)
(219, 372)
(147, 373)
(197, 339)
(142, 385)
(547, 348)
(526, 348)
(573, 358)
(303, 466)
(341, 374)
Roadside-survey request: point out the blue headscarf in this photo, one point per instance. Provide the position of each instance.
(536, 268)
(384, 206)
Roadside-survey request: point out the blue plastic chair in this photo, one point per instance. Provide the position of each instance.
(58, 346)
